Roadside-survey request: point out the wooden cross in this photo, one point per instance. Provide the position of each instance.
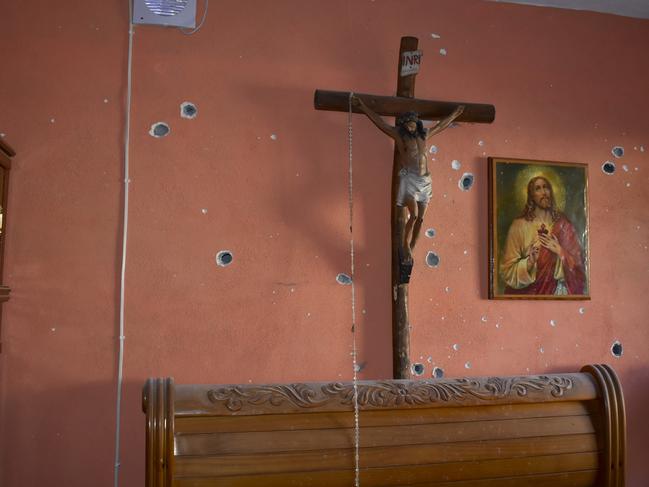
(427, 110)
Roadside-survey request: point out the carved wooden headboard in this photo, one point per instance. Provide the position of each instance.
(559, 430)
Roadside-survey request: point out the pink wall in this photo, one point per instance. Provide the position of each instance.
(567, 85)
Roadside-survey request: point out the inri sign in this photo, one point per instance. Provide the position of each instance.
(410, 62)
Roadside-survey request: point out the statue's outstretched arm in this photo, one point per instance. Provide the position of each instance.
(443, 124)
(376, 119)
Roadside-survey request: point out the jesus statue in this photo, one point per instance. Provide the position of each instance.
(415, 190)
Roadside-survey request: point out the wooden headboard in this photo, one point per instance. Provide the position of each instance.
(546, 430)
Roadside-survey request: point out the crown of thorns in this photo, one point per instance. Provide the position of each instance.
(408, 117)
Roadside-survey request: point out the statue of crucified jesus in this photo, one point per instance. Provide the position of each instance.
(415, 191)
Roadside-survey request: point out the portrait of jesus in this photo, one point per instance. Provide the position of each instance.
(538, 230)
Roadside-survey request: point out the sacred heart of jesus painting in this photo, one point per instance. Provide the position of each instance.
(538, 230)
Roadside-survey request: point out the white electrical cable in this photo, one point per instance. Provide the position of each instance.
(357, 432)
(120, 357)
(190, 32)
(122, 336)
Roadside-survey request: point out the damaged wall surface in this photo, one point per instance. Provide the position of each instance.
(238, 250)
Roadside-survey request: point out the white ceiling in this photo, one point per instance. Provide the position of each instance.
(627, 8)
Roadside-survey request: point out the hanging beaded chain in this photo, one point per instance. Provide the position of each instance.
(357, 433)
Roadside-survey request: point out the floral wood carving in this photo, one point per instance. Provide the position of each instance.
(391, 394)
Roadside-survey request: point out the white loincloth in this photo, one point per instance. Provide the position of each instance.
(415, 187)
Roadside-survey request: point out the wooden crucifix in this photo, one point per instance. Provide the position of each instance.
(410, 177)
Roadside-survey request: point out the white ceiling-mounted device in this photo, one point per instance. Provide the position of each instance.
(175, 13)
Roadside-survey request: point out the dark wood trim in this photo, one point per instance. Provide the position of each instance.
(400, 320)
(6, 148)
(4, 293)
(218, 400)
(6, 152)
(338, 101)
(5, 161)
(5, 217)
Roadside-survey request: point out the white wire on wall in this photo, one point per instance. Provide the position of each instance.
(122, 337)
(127, 132)
(198, 27)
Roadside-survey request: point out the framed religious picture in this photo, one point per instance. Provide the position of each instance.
(538, 230)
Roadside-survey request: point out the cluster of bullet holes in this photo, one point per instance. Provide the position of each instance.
(438, 372)
(432, 259)
(343, 279)
(616, 349)
(466, 181)
(224, 258)
(162, 129)
(418, 369)
(159, 129)
(608, 167)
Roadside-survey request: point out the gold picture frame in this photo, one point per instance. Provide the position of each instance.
(538, 230)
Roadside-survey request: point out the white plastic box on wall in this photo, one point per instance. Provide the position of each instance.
(175, 13)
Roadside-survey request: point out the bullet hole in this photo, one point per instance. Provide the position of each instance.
(466, 181)
(433, 149)
(608, 167)
(456, 165)
(438, 372)
(467, 365)
(343, 279)
(442, 51)
(359, 367)
(159, 129)
(188, 110)
(616, 349)
(625, 168)
(418, 369)
(224, 258)
(553, 323)
(430, 233)
(618, 151)
(432, 259)
(582, 311)
(273, 137)
(456, 347)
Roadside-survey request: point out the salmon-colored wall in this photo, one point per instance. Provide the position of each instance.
(261, 173)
